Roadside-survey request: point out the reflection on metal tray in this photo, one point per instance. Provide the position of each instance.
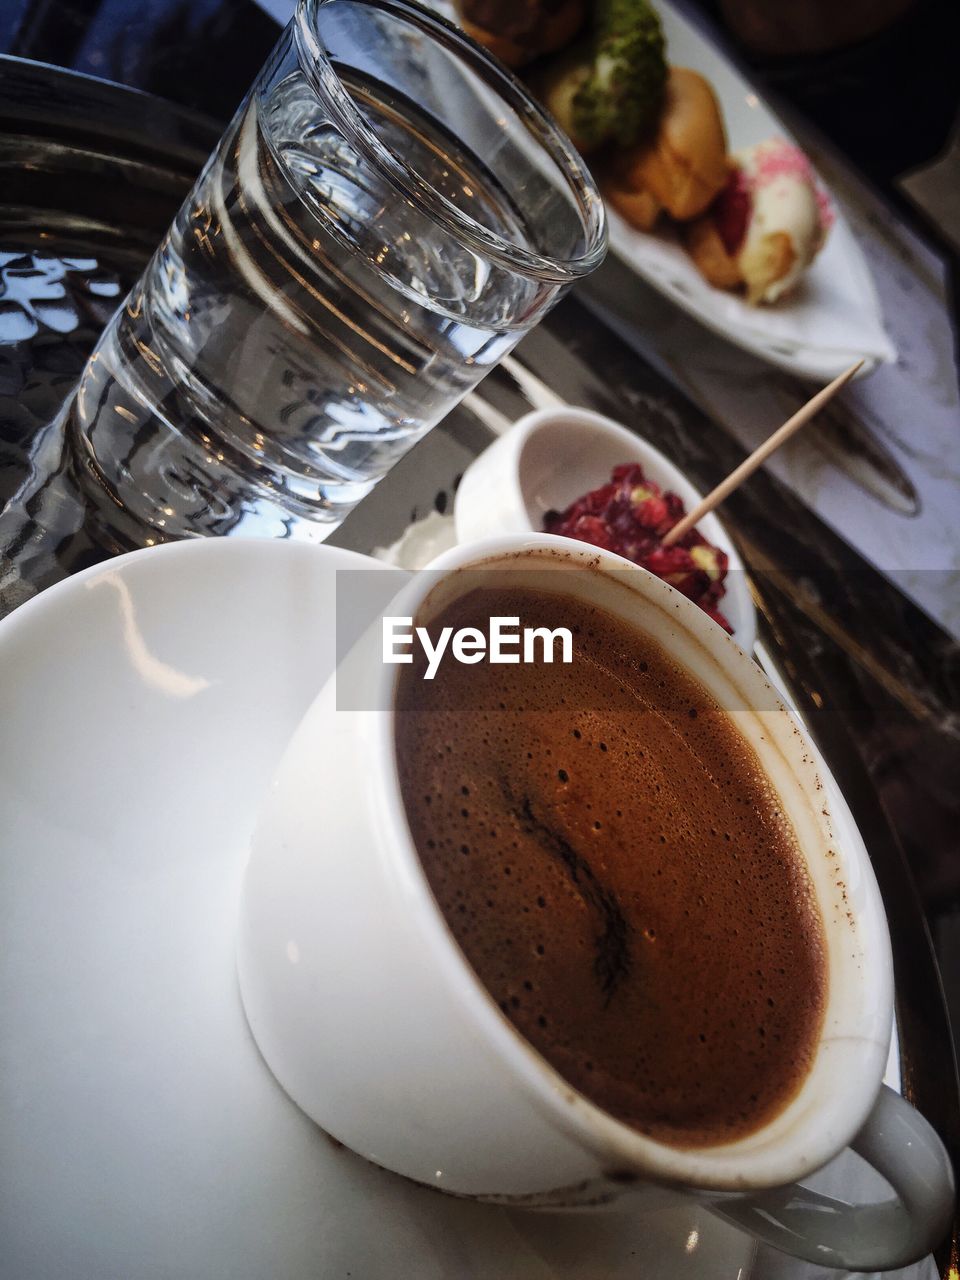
(90, 175)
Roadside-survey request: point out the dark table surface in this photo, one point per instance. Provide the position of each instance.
(877, 680)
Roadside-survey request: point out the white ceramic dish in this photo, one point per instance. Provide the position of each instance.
(552, 456)
(832, 319)
(143, 706)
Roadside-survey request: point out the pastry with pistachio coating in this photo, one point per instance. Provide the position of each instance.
(609, 87)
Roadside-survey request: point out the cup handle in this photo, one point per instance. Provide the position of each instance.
(904, 1149)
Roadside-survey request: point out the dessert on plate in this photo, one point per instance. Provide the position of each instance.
(518, 31)
(597, 65)
(765, 227)
(682, 167)
(752, 222)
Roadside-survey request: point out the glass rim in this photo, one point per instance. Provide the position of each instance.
(539, 124)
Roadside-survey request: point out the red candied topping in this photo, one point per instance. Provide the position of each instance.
(731, 212)
(630, 516)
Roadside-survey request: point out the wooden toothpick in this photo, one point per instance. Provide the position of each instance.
(759, 455)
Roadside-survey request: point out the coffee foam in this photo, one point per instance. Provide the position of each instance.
(617, 870)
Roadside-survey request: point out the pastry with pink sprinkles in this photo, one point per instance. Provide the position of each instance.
(765, 227)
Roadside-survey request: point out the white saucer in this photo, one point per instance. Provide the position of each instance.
(143, 705)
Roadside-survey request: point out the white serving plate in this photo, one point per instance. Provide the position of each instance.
(833, 318)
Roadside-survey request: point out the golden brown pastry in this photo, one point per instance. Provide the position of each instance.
(705, 245)
(684, 167)
(639, 208)
(517, 31)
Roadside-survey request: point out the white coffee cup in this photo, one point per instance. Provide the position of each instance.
(372, 1020)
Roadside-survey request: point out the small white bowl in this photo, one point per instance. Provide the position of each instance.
(552, 456)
